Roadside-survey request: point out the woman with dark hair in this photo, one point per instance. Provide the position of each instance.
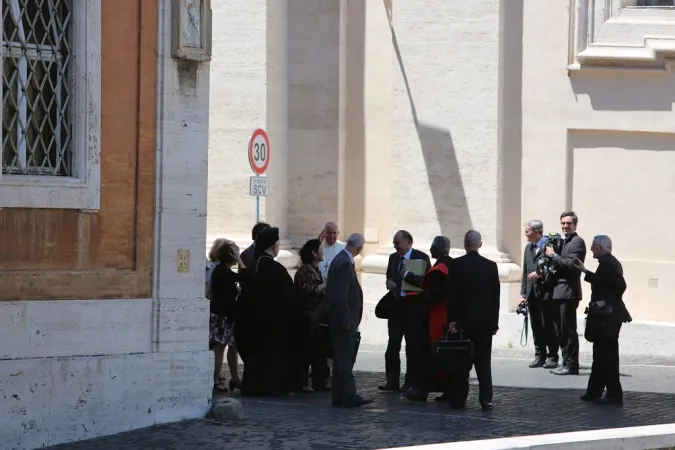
(309, 289)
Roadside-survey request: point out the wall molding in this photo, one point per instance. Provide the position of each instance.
(587, 17)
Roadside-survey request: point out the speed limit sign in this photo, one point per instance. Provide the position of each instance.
(259, 151)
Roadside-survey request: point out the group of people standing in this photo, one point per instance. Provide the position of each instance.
(286, 328)
(553, 300)
(456, 297)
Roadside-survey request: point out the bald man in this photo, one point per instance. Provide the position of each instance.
(331, 246)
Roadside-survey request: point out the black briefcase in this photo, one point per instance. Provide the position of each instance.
(453, 353)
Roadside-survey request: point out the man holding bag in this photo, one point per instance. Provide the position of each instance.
(606, 314)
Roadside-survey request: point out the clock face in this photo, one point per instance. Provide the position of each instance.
(191, 23)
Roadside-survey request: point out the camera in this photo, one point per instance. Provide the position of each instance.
(522, 309)
(545, 265)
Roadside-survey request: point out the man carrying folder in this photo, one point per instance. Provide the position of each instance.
(404, 276)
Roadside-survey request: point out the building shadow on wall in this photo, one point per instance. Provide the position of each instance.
(445, 181)
(626, 91)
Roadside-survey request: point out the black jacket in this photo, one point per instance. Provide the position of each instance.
(568, 278)
(394, 274)
(224, 291)
(608, 284)
(474, 293)
(531, 257)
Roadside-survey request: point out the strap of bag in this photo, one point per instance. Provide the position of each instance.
(526, 323)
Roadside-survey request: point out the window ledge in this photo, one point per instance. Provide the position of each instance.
(655, 54)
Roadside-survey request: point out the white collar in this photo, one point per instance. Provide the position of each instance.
(407, 255)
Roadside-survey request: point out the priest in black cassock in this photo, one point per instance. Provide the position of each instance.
(268, 318)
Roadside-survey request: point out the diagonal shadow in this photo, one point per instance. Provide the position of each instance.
(445, 181)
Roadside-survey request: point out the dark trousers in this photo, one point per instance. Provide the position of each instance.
(605, 369)
(309, 353)
(565, 322)
(458, 383)
(344, 356)
(543, 328)
(417, 351)
(392, 356)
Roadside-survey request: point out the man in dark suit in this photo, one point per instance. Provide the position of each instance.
(406, 318)
(567, 292)
(248, 255)
(342, 309)
(473, 309)
(537, 296)
(607, 288)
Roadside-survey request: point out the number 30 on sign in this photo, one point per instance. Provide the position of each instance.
(259, 151)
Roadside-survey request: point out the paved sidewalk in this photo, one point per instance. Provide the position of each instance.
(527, 401)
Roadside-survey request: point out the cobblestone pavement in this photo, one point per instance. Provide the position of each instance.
(527, 401)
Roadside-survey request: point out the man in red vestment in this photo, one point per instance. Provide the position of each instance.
(433, 297)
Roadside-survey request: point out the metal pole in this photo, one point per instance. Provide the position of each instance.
(257, 208)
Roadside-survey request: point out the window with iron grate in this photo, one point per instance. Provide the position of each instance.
(36, 91)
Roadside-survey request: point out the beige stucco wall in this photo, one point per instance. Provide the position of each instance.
(454, 116)
(602, 142)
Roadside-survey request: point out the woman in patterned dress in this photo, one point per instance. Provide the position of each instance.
(223, 292)
(309, 290)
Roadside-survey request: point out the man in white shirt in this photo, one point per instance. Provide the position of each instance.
(331, 246)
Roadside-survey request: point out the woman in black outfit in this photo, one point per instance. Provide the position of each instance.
(224, 293)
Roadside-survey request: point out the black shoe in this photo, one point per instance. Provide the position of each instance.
(416, 396)
(442, 398)
(406, 388)
(588, 397)
(486, 406)
(337, 403)
(234, 385)
(551, 364)
(538, 362)
(389, 387)
(565, 370)
(358, 403)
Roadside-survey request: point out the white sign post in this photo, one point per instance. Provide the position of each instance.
(259, 159)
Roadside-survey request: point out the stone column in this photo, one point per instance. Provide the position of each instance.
(450, 150)
(313, 116)
(276, 205)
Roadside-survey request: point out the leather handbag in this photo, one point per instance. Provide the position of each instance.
(385, 306)
(600, 322)
(453, 353)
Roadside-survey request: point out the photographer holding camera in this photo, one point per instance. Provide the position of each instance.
(567, 291)
(535, 296)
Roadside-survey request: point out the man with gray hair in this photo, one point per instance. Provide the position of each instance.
(474, 311)
(606, 314)
(342, 309)
(331, 246)
(535, 298)
(432, 328)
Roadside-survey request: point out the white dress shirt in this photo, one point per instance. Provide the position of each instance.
(329, 252)
(406, 256)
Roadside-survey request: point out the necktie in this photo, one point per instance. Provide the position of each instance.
(400, 264)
